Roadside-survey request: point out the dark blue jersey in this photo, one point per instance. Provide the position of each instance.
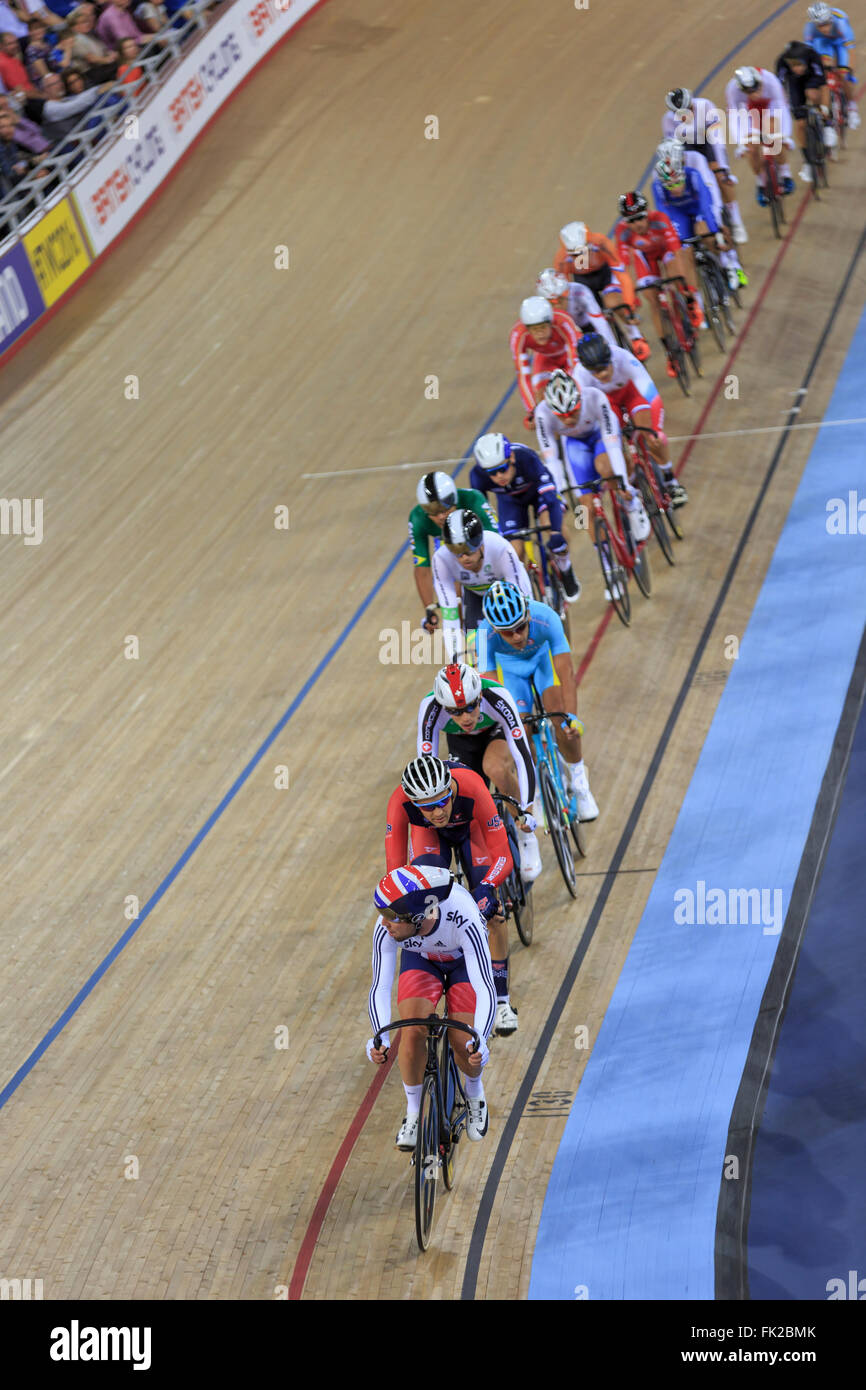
(531, 482)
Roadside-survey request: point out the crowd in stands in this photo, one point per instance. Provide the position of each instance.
(58, 59)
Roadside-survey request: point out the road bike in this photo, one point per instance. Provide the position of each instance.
(560, 806)
(816, 153)
(515, 898)
(679, 335)
(647, 477)
(441, 1118)
(714, 289)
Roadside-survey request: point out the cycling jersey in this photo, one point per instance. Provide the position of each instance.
(596, 423)
(421, 528)
(584, 308)
(702, 128)
(630, 388)
(796, 84)
(531, 486)
(533, 662)
(498, 711)
(837, 44)
(649, 247)
(472, 808)
(535, 361)
(500, 562)
(686, 207)
(460, 932)
(748, 111)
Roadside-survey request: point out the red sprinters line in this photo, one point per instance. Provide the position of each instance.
(305, 1254)
(308, 1245)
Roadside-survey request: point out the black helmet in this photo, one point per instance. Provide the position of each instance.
(593, 351)
(680, 99)
(632, 205)
(796, 52)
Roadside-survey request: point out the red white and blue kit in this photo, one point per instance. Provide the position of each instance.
(474, 831)
(453, 958)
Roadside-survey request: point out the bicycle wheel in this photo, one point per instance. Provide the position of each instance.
(690, 334)
(574, 822)
(455, 1100)
(677, 359)
(536, 582)
(641, 570)
(557, 600)
(657, 521)
(711, 306)
(556, 825)
(613, 574)
(517, 905)
(426, 1162)
(670, 511)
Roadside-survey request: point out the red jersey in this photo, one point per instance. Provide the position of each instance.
(659, 238)
(560, 350)
(473, 817)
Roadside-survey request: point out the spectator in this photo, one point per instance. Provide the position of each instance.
(149, 17)
(129, 70)
(57, 113)
(12, 70)
(116, 23)
(37, 53)
(27, 133)
(11, 21)
(53, 15)
(89, 54)
(12, 166)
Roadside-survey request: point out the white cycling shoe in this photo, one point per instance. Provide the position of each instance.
(806, 174)
(476, 1125)
(407, 1134)
(853, 117)
(586, 806)
(530, 856)
(506, 1020)
(638, 520)
(739, 233)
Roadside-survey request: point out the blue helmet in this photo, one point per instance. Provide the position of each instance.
(504, 605)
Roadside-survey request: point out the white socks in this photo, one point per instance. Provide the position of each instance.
(413, 1099)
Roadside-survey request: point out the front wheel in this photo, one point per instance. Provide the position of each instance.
(613, 574)
(427, 1162)
(657, 521)
(557, 827)
(712, 308)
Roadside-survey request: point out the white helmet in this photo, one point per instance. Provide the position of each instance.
(535, 310)
(462, 529)
(747, 79)
(425, 777)
(670, 160)
(437, 487)
(573, 236)
(820, 14)
(457, 686)
(550, 284)
(492, 451)
(561, 393)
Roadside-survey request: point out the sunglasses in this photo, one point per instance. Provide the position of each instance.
(467, 708)
(521, 627)
(391, 916)
(434, 805)
(503, 468)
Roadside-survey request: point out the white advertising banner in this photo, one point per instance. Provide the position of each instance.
(110, 194)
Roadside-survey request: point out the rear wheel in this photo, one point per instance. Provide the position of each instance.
(613, 574)
(712, 309)
(641, 570)
(557, 827)
(427, 1162)
(689, 332)
(454, 1098)
(657, 521)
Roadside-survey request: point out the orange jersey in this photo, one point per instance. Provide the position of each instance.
(600, 251)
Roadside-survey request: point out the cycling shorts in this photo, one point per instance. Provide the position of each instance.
(470, 748)
(518, 675)
(514, 514)
(600, 281)
(422, 978)
(580, 456)
(647, 267)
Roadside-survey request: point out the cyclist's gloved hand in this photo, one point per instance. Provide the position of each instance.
(527, 823)
(371, 1047)
(571, 724)
(431, 618)
(485, 896)
(483, 1051)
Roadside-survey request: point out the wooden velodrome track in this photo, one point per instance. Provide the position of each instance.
(408, 258)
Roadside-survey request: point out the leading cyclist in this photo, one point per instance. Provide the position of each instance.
(830, 33)
(438, 929)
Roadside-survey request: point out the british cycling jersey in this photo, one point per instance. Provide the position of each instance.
(498, 710)
(472, 809)
(459, 932)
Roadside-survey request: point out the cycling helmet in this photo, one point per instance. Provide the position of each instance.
(820, 14)
(574, 236)
(561, 393)
(594, 351)
(632, 205)
(463, 529)
(408, 891)
(437, 487)
(535, 310)
(670, 161)
(680, 99)
(550, 284)
(747, 79)
(492, 451)
(796, 52)
(425, 778)
(504, 605)
(457, 686)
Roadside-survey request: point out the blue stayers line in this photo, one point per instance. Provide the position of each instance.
(12, 1085)
(71, 1009)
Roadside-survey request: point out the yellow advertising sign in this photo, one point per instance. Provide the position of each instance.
(56, 251)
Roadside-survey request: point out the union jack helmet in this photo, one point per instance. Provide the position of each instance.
(407, 891)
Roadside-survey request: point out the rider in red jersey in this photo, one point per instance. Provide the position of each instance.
(543, 340)
(650, 238)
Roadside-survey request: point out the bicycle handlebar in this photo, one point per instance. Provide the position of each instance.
(526, 532)
(548, 714)
(431, 1022)
(500, 796)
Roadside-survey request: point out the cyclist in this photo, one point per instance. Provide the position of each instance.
(829, 32)
(629, 387)
(482, 726)
(801, 73)
(438, 495)
(528, 641)
(699, 125)
(575, 299)
(578, 432)
(448, 810)
(756, 101)
(592, 261)
(438, 929)
(543, 339)
(472, 558)
(692, 159)
(519, 480)
(650, 238)
(685, 195)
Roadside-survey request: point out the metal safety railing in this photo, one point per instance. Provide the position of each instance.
(106, 118)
